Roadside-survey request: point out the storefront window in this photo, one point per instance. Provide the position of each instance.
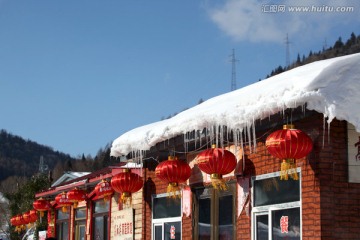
(62, 224)
(80, 219)
(276, 208)
(214, 213)
(101, 220)
(166, 217)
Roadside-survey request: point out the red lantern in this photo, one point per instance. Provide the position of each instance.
(20, 223)
(288, 144)
(104, 190)
(173, 171)
(216, 162)
(126, 183)
(33, 215)
(41, 205)
(62, 201)
(13, 221)
(76, 195)
(26, 217)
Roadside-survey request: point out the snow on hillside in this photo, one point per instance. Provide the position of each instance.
(330, 87)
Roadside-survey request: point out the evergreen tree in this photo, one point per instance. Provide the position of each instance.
(21, 200)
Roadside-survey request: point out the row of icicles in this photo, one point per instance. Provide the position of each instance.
(287, 144)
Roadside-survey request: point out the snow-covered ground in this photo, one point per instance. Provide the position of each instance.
(330, 87)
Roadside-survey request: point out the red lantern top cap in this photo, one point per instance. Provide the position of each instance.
(288, 126)
(172, 158)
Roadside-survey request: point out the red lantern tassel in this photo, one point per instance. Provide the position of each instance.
(125, 198)
(64, 209)
(218, 182)
(172, 188)
(292, 169)
(284, 170)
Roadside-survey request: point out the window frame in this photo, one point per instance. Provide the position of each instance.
(214, 196)
(105, 214)
(60, 224)
(268, 209)
(79, 222)
(161, 221)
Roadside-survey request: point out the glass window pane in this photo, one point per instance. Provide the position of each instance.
(80, 213)
(98, 233)
(262, 227)
(65, 231)
(106, 222)
(82, 233)
(226, 217)
(165, 207)
(101, 206)
(204, 218)
(62, 215)
(286, 224)
(158, 233)
(274, 191)
(172, 230)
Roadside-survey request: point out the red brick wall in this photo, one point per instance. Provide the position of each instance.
(330, 205)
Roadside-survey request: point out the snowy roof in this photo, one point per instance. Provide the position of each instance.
(67, 176)
(330, 87)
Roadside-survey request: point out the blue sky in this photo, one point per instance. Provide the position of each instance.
(75, 75)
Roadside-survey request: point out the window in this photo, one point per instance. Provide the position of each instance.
(80, 217)
(166, 217)
(101, 219)
(276, 211)
(62, 224)
(214, 214)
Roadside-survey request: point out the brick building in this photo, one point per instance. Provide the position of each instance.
(320, 99)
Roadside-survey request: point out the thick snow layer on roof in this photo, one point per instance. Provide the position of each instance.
(330, 87)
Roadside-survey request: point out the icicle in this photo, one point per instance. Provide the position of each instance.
(328, 133)
(242, 145)
(249, 136)
(196, 132)
(221, 136)
(235, 141)
(254, 135)
(323, 140)
(216, 135)
(245, 135)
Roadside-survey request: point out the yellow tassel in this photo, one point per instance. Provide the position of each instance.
(284, 170)
(75, 204)
(125, 198)
(41, 214)
(218, 182)
(292, 169)
(172, 189)
(64, 209)
(106, 198)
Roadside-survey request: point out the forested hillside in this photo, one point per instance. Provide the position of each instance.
(21, 158)
(339, 48)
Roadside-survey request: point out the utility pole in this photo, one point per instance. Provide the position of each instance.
(233, 71)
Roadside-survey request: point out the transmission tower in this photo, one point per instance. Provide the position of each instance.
(42, 167)
(287, 44)
(233, 71)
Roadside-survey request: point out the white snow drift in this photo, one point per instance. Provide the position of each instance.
(330, 87)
